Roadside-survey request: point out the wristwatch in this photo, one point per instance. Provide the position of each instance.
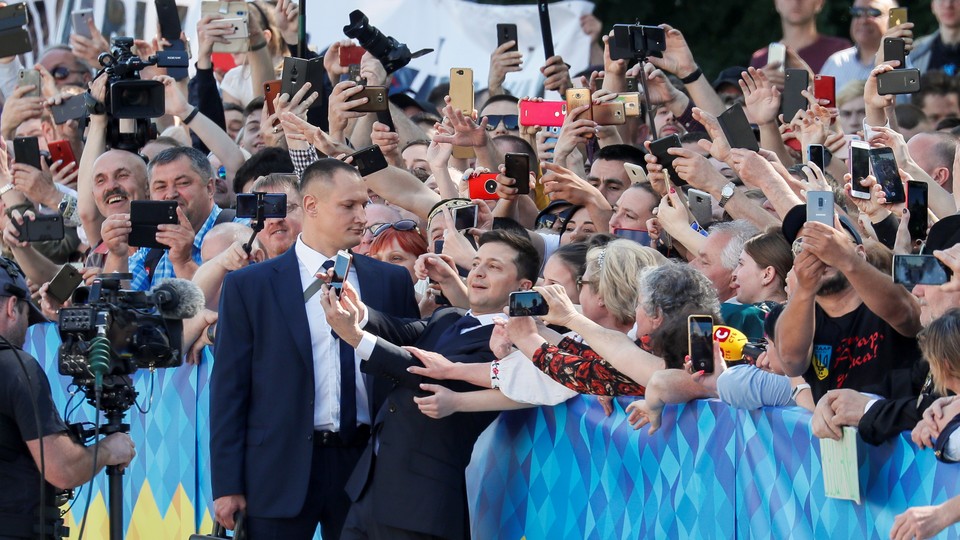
(726, 193)
(6, 189)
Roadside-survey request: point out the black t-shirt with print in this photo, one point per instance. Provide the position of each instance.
(862, 352)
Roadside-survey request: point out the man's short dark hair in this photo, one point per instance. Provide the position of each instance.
(415, 142)
(500, 97)
(198, 160)
(255, 104)
(266, 161)
(517, 145)
(909, 115)
(436, 95)
(527, 260)
(621, 152)
(323, 170)
(231, 106)
(934, 83)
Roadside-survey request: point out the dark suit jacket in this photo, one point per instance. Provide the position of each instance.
(417, 478)
(262, 384)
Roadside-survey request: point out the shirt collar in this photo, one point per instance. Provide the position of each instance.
(312, 259)
(486, 320)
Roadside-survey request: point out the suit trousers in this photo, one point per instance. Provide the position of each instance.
(361, 525)
(327, 503)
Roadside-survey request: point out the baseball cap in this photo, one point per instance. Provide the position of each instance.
(13, 282)
(944, 234)
(797, 216)
(731, 75)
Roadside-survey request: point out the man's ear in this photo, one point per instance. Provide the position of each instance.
(525, 284)
(310, 205)
(861, 251)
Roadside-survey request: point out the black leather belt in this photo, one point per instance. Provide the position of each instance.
(333, 439)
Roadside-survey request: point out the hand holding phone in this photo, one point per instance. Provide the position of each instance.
(527, 304)
(341, 269)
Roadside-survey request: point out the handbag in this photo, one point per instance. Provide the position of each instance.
(220, 532)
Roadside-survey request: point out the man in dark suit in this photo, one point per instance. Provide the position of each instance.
(289, 409)
(410, 481)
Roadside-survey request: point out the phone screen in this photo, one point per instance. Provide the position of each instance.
(859, 168)
(465, 217)
(274, 205)
(917, 204)
(887, 173)
(910, 270)
(701, 342)
(817, 154)
(340, 269)
(639, 236)
(527, 304)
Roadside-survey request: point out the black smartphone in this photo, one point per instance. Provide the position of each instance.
(26, 150)
(887, 173)
(820, 207)
(341, 269)
(465, 217)
(895, 49)
(505, 33)
(818, 155)
(42, 228)
(299, 71)
(15, 41)
(274, 205)
(169, 20)
(910, 270)
(527, 304)
(621, 46)
(700, 336)
(71, 108)
(637, 235)
(518, 167)
(13, 16)
(736, 128)
(438, 246)
(384, 118)
(659, 149)
(544, 10)
(145, 216)
(898, 81)
(369, 160)
(917, 204)
(795, 81)
(859, 168)
(63, 284)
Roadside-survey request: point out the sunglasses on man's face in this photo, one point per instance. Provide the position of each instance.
(510, 121)
(62, 72)
(857, 12)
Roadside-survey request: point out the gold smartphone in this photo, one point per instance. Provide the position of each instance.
(631, 104)
(897, 16)
(578, 97)
(461, 97)
(610, 113)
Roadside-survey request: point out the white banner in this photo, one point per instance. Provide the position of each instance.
(461, 34)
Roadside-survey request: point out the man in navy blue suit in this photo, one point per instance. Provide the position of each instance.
(290, 411)
(410, 481)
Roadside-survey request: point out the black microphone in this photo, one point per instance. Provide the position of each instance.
(178, 298)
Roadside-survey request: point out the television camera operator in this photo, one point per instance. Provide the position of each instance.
(33, 437)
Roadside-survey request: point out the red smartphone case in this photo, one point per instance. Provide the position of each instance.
(484, 186)
(351, 55)
(61, 150)
(542, 113)
(825, 87)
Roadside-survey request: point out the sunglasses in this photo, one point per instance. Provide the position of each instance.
(858, 12)
(402, 225)
(62, 72)
(510, 121)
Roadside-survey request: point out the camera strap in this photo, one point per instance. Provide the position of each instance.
(152, 260)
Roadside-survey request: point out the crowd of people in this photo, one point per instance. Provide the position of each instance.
(355, 407)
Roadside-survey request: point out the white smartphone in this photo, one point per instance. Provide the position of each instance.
(636, 173)
(777, 52)
(80, 18)
(859, 168)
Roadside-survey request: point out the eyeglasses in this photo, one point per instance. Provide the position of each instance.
(510, 121)
(62, 72)
(292, 207)
(402, 225)
(858, 12)
(581, 282)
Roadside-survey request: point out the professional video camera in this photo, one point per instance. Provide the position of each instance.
(390, 52)
(130, 101)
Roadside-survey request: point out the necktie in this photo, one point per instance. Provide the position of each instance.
(450, 335)
(348, 383)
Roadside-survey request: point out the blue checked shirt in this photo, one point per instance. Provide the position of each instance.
(141, 281)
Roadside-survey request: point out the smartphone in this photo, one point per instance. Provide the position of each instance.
(274, 205)
(438, 246)
(544, 11)
(79, 19)
(43, 228)
(527, 304)
(637, 174)
(621, 46)
(517, 166)
(701, 206)
(659, 149)
(859, 168)
(611, 113)
(236, 11)
(26, 150)
(384, 118)
(639, 236)
(825, 87)
(737, 130)
(795, 81)
(505, 33)
(13, 16)
(542, 113)
(578, 97)
(351, 55)
(631, 104)
(376, 99)
(895, 49)
(917, 204)
(27, 77)
(341, 269)
(700, 338)
(898, 81)
(461, 89)
(777, 54)
(484, 186)
(145, 216)
(910, 270)
(897, 17)
(168, 18)
(14, 42)
(298, 71)
(61, 151)
(369, 160)
(465, 217)
(271, 89)
(820, 207)
(71, 108)
(818, 155)
(63, 284)
(887, 173)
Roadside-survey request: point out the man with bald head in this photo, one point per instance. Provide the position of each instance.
(868, 23)
(118, 178)
(934, 152)
(290, 410)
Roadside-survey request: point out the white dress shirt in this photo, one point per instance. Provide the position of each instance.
(326, 349)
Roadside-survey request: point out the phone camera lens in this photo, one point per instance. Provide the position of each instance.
(490, 186)
(459, 72)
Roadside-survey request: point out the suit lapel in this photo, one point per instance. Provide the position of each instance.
(289, 294)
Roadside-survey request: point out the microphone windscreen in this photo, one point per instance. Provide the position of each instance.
(178, 298)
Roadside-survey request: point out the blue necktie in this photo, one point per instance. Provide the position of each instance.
(348, 384)
(452, 333)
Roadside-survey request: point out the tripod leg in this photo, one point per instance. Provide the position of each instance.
(115, 476)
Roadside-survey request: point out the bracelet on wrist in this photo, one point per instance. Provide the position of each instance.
(191, 116)
(693, 76)
(258, 46)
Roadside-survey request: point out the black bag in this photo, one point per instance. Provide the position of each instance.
(220, 532)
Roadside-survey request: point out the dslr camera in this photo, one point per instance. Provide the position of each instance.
(390, 52)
